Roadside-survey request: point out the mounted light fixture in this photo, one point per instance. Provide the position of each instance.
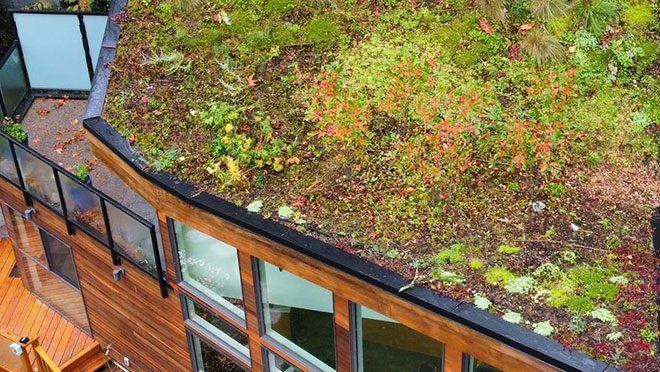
(118, 273)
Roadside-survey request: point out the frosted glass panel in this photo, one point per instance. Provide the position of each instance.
(13, 82)
(95, 27)
(55, 59)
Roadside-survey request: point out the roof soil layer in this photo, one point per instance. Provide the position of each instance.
(502, 153)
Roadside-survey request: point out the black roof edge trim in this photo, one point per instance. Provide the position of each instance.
(517, 337)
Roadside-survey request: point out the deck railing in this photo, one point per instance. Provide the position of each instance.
(20, 361)
(127, 235)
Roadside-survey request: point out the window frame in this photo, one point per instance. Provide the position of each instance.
(43, 234)
(191, 333)
(276, 346)
(215, 340)
(355, 337)
(194, 293)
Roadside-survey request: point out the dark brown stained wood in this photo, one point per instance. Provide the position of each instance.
(130, 314)
(167, 248)
(343, 334)
(342, 284)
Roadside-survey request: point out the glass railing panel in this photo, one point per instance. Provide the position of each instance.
(95, 29)
(53, 61)
(83, 207)
(13, 82)
(39, 178)
(132, 239)
(7, 164)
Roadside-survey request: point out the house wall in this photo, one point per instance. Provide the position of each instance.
(130, 315)
(347, 289)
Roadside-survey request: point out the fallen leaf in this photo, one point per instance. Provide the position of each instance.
(572, 48)
(300, 202)
(526, 27)
(293, 160)
(177, 18)
(251, 81)
(43, 112)
(485, 26)
(75, 122)
(131, 139)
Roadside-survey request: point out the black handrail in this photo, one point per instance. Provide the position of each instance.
(72, 223)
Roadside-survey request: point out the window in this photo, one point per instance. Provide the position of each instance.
(385, 345)
(276, 363)
(475, 365)
(299, 315)
(49, 270)
(60, 258)
(210, 267)
(207, 359)
(229, 336)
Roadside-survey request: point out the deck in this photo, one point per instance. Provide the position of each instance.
(22, 314)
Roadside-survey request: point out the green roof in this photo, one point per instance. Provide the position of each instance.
(503, 153)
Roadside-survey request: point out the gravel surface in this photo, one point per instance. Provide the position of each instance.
(55, 130)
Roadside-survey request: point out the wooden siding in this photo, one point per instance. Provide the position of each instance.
(128, 315)
(24, 315)
(458, 338)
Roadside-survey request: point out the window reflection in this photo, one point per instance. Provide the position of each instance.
(208, 359)
(211, 267)
(385, 345)
(299, 315)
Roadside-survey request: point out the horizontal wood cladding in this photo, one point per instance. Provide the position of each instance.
(461, 338)
(130, 315)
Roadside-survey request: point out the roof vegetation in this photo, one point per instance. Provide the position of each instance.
(502, 152)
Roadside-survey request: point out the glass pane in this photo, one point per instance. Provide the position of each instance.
(299, 315)
(277, 364)
(7, 166)
(131, 238)
(84, 207)
(95, 28)
(479, 366)
(39, 178)
(28, 237)
(209, 359)
(218, 327)
(61, 258)
(385, 345)
(13, 82)
(53, 61)
(210, 266)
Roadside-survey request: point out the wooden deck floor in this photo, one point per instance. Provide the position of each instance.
(22, 314)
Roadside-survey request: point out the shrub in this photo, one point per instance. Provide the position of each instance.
(453, 254)
(476, 264)
(82, 172)
(495, 9)
(595, 14)
(555, 189)
(15, 130)
(639, 16)
(499, 276)
(508, 249)
(322, 32)
(548, 9)
(603, 291)
(521, 285)
(580, 304)
(542, 46)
